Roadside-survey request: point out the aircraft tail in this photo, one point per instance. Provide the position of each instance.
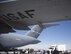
(37, 29)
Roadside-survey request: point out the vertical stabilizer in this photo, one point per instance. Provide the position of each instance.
(37, 29)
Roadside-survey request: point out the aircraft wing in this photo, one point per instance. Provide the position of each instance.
(19, 25)
(35, 11)
(9, 26)
(4, 1)
(18, 14)
(5, 28)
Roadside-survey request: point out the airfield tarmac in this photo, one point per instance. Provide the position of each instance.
(20, 53)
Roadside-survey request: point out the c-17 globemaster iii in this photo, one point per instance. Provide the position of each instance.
(10, 41)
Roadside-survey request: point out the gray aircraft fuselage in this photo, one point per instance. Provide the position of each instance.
(12, 40)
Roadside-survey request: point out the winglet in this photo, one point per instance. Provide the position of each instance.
(37, 29)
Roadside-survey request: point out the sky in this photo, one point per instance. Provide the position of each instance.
(55, 35)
